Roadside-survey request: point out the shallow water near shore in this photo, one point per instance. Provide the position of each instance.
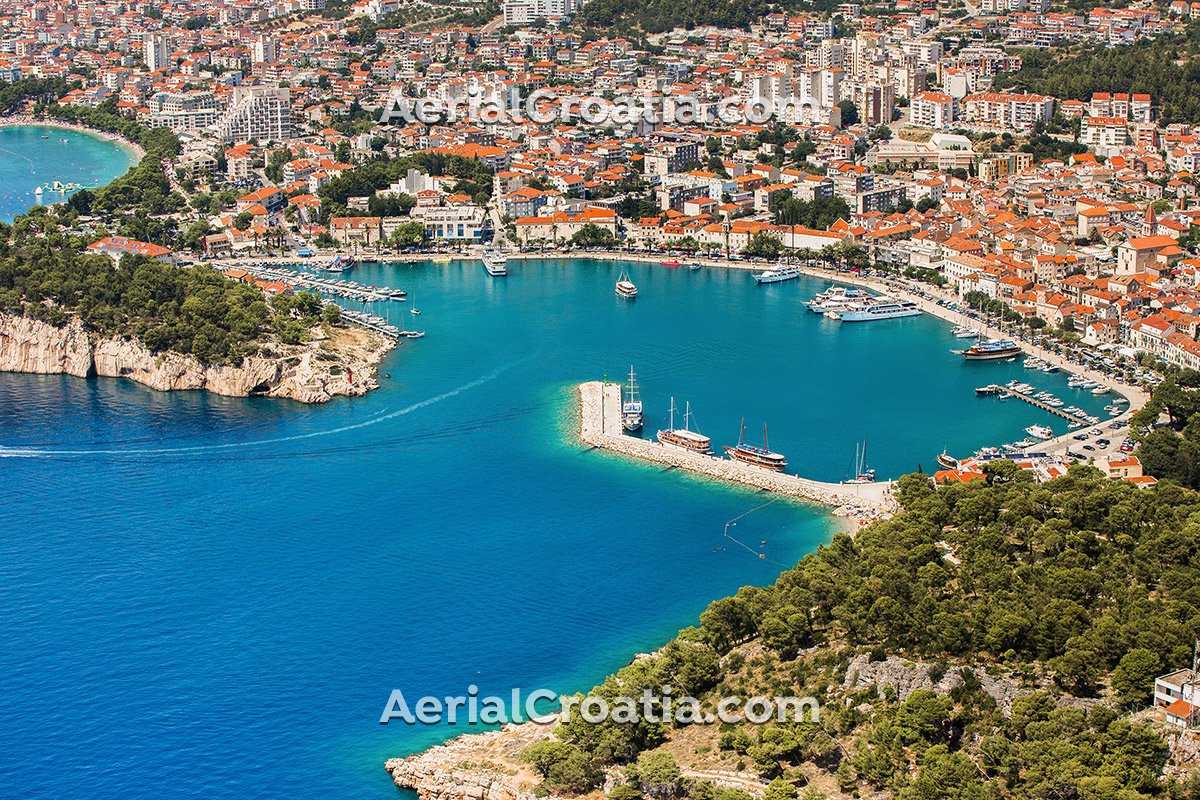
(65, 155)
(213, 597)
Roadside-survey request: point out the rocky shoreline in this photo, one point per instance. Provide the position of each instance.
(473, 766)
(341, 362)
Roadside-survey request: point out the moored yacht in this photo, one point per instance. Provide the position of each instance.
(684, 437)
(631, 406)
(889, 309)
(837, 298)
(495, 262)
(756, 456)
(1040, 432)
(862, 473)
(990, 350)
(777, 274)
(626, 287)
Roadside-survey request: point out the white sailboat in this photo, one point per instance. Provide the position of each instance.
(862, 474)
(631, 408)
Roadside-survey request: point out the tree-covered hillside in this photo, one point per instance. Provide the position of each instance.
(195, 311)
(1080, 590)
(1167, 68)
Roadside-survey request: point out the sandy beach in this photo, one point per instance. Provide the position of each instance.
(25, 120)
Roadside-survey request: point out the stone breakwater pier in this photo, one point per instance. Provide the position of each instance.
(600, 426)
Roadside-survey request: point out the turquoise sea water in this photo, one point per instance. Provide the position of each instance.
(28, 161)
(213, 597)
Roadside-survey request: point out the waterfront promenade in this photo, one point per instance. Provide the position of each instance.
(600, 426)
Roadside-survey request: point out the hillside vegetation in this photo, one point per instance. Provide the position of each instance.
(1167, 68)
(1080, 591)
(196, 311)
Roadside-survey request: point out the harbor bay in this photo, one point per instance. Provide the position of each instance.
(373, 544)
(45, 164)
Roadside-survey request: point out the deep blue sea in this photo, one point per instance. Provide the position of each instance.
(212, 598)
(28, 161)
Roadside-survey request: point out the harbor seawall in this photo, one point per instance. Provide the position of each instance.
(600, 426)
(311, 373)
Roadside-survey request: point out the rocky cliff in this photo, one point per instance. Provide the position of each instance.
(478, 766)
(342, 362)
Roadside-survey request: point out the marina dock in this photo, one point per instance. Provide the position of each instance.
(995, 389)
(336, 286)
(600, 426)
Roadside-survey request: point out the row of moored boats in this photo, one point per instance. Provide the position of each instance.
(693, 441)
(858, 305)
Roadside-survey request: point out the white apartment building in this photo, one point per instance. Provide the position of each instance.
(932, 110)
(257, 112)
(183, 111)
(525, 12)
(1016, 112)
(154, 52)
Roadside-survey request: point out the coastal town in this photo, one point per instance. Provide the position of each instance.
(902, 156)
(893, 149)
(955, 243)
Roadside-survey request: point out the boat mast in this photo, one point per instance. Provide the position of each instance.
(687, 412)
(765, 446)
(671, 426)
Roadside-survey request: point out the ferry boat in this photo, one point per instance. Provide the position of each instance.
(756, 456)
(837, 298)
(495, 262)
(990, 350)
(777, 274)
(684, 437)
(670, 262)
(946, 460)
(626, 287)
(1040, 432)
(631, 407)
(884, 310)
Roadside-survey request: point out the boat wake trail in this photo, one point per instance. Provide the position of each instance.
(383, 416)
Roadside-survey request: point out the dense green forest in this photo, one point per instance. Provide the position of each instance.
(1082, 587)
(194, 310)
(818, 213)
(1166, 68)
(657, 16)
(1172, 451)
(475, 178)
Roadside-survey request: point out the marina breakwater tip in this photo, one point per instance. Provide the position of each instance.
(600, 427)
